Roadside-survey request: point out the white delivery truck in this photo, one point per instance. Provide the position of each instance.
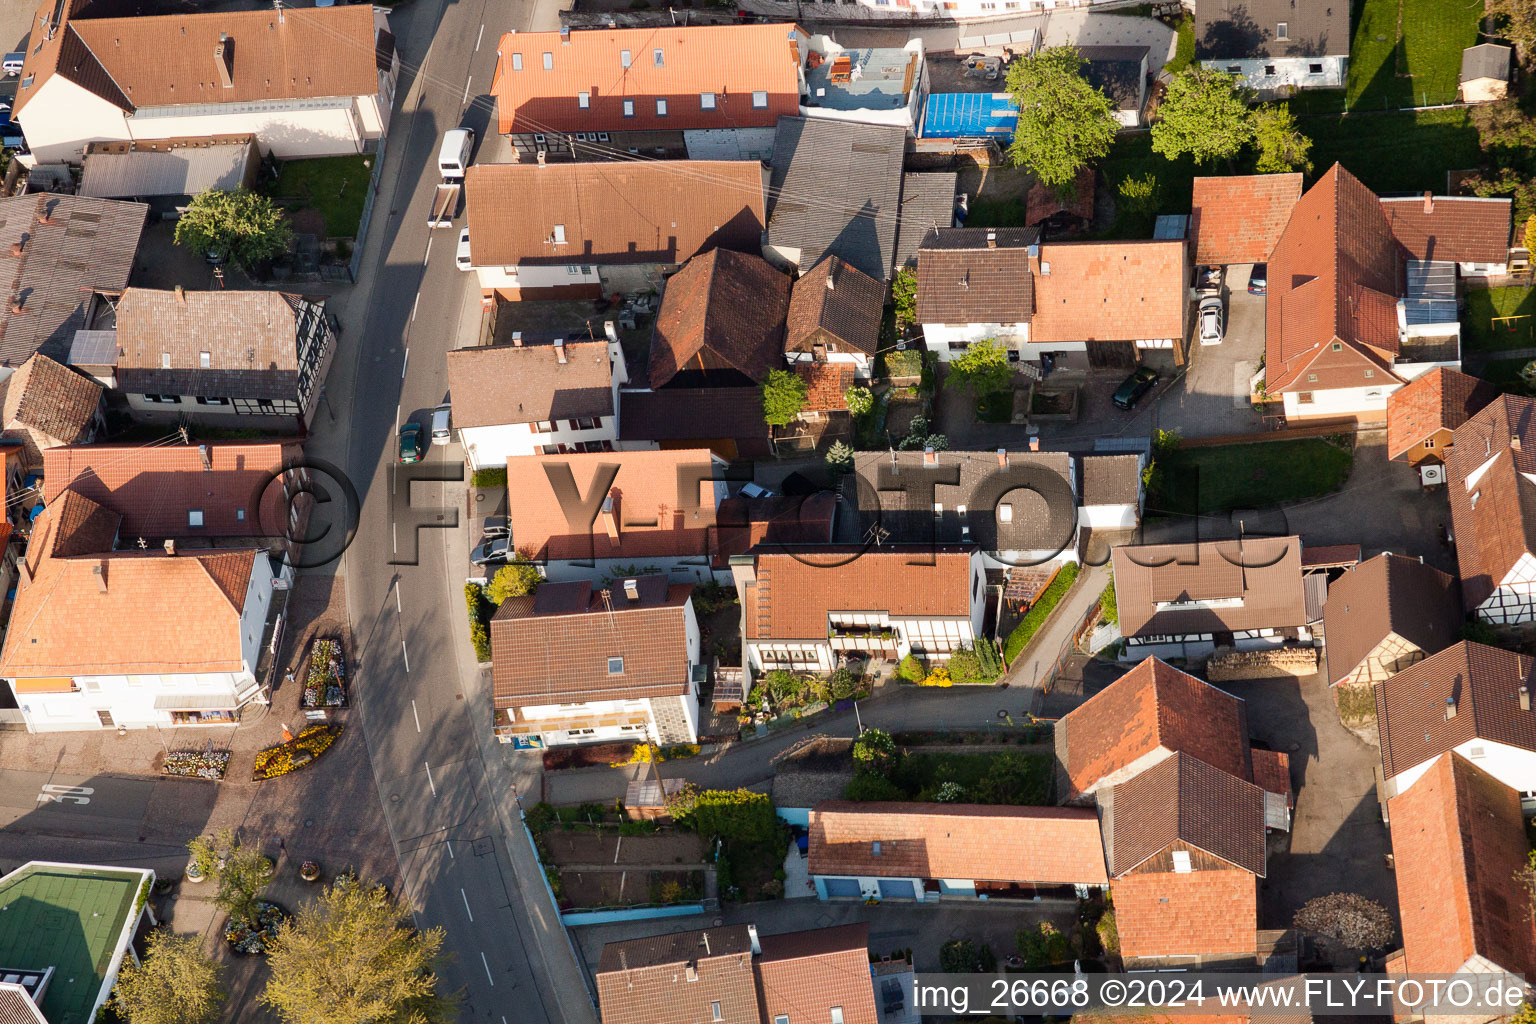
(452, 162)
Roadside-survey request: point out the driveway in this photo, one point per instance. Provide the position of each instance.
(1212, 397)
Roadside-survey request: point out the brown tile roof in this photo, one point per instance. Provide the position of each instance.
(1161, 591)
(700, 415)
(1467, 230)
(1272, 772)
(153, 487)
(723, 313)
(497, 384)
(730, 62)
(826, 384)
(961, 279)
(1389, 594)
(1110, 291)
(787, 521)
(1492, 496)
(1044, 202)
(49, 400)
(612, 213)
(1238, 219)
(793, 593)
(1484, 683)
(1442, 399)
(848, 310)
(802, 975)
(1183, 800)
(1046, 845)
(651, 522)
(1318, 556)
(69, 247)
(1458, 842)
(1201, 912)
(1228, 29)
(251, 338)
(674, 979)
(553, 647)
(158, 614)
(169, 59)
(1334, 277)
(1154, 707)
(1109, 479)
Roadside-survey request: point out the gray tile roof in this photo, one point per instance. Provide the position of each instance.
(835, 188)
(1489, 60)
(1227, 29)
(1109, 479)
(927, 203)
(1116, 71)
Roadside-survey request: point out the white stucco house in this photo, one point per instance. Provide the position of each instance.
(539, 395)
(1275, 45)
(304, 82)
(81, 652)
(627, 667)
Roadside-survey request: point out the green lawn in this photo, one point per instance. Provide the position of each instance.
(1418, 68)
(1132, 157)
(1479, 334)
(1186, 48)
(1007, 212)
(1504, 374)
(1259, 474)
(1395, 152)
(1020, 636)
(336, 186)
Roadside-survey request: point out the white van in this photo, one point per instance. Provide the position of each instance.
(13, 63)
(441, 434)
(453, 157)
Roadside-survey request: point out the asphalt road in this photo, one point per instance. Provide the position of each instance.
(73, 804)
(426, 710)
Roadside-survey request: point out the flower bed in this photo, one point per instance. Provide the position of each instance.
(196, 764)
(326, 684)
(245, 937)
(290, 757)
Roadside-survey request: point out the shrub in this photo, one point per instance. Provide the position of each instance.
(541, 818)
(1041, 610)
(949, 793)
(710, 597)
(784, 395)
(874, 751)
(495, 476)
(642, 753)
(518, 578)
(938, 677)
(842, 683)
(871, 786)
(1043, 947)
(1109, 933)
(976, 663)
(839, 456)
(1108, 606)
(911, 669)
(962, 956)
(1140, 195)
(859, 400)
(735, 814)
(479, 635)
(905, 362)
(904, 295)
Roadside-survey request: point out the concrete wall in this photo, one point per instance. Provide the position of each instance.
(729, 143)
(1288, 71)
(491, 446)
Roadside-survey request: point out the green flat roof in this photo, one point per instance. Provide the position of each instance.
(68, 918)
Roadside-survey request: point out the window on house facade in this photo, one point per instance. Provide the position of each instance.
(1429, 442)
(706, 101)
(1234, 69)
(517, 62)
(1314, 69)
(1305, 398)
(162, 399)
(211, 400)
(1269, 70)
(1282, 31)
(1181, 862)
(1337, 346)
(194, 517)
(584, 100)
(544, 427)
(1311, 378)
(615, 666)
(549, 62)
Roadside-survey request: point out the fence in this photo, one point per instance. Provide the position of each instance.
(1068, 648)
(581, 967)
(362, 223)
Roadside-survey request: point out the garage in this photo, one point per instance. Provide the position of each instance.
(898, 889)
(843, 887)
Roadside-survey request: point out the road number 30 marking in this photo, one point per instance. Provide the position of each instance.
(65, 795)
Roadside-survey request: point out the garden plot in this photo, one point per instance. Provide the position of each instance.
(588, 848)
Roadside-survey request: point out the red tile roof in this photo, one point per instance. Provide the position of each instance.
(1458, 841)
(784, 520)
(1466, 230)
(1152, 708)
(1110, 291)
(721, 316)
(1334, 278)
(653, 520)
(1238, 219)
(1442, 399)
(554, 646)
(1044, 845)
(1198, 912)
(826, 384)
(1272, 772)
(802, 975)
(729, 62)
(793, 593)
(154, 487)
(1489, 481)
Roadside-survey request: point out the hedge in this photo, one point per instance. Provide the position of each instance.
(474, 600)
(738, 814)
(494, 477)
(1028, 626)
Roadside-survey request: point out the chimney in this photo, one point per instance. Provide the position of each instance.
(17, 304)
(1514, 442)
(517, 338)
(991, 239)
(17, 247)
(1002, 457)
(541, 158)
(610, 332)
(1034, 443)
(170, 546)
(831, 286)
(757, 946)
(181, 295)
(1429, 201)
(930, 457)
(224, 57)
(632, 589)
(99, 571)
(609, 519)
(560, 350)
(1450, 708)
(691, 972)
(1525, 697)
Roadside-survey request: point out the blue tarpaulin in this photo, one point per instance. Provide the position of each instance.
(963, 115)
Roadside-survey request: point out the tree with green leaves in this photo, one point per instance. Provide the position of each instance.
(235, 227)
(1515, 20)
(174, 983)
(981, 369)
(1064, 122)
(839, 457)
(1139, 194)
(1204, 115)
(904, 297)
(242, 872)
(874, 751)
(1282, 145)
(518, 578)
(784, 395)
(859, 400)
(352, 957)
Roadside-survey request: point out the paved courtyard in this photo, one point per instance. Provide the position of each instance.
(1211, 397)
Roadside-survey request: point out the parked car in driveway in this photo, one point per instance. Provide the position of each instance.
(461, 257)
(494, 526)
(1213, 320)
(411, 447)
(492, 550)
(1208, 279)
(1258, 279)
(1135, 387)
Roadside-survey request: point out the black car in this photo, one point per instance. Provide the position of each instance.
(1134, 387)
(1258, 279)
